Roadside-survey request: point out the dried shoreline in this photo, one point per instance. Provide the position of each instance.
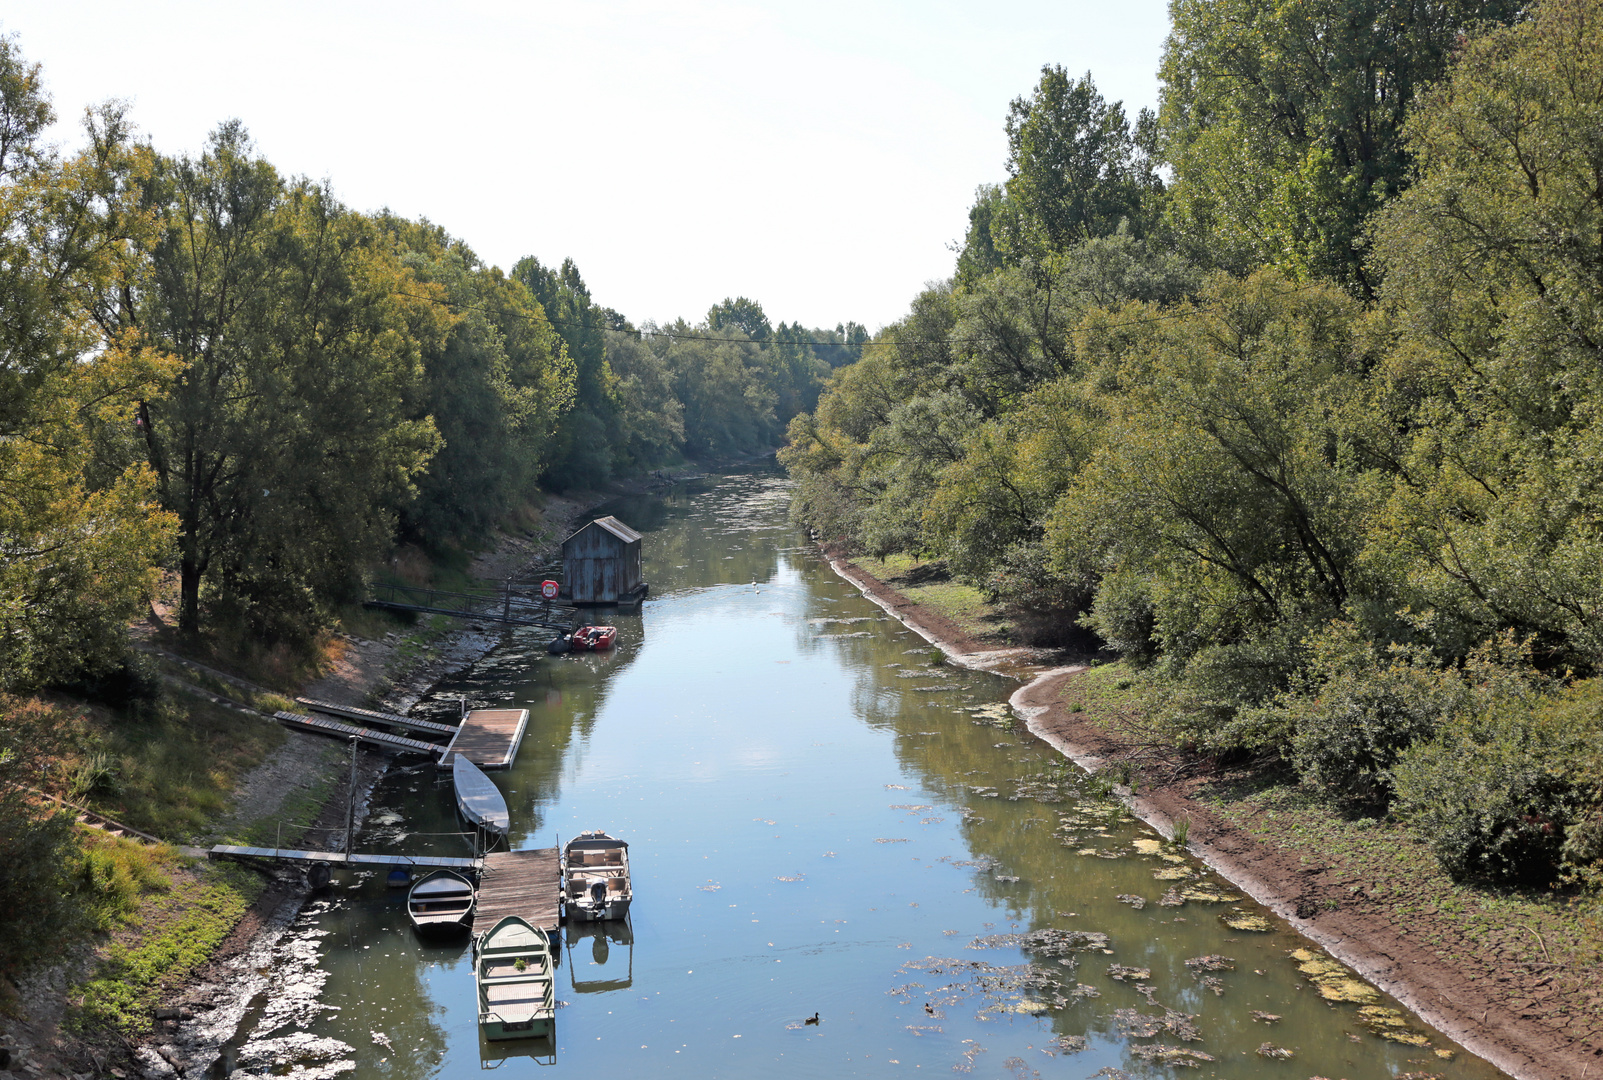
(1360, 934)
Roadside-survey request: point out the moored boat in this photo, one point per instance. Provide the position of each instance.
(478, 798)
(593, 638)
(513, 969)
(595, 877)
(440, 903)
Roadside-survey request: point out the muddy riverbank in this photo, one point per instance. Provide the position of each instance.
(1527, 1013)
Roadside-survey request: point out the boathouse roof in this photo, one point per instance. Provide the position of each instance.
(613, 526)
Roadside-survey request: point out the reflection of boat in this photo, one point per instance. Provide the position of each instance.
(493, 1055)
(514, 972)
(441, 902)
(593, 638)
(595, 877)
(478, 798)
(602, 935)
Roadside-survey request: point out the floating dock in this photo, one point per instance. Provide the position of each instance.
(373, 716)
(432, 862)
(319, 725)
(527, 884)
(489, 738)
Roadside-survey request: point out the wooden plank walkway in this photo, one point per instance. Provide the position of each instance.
(319, 725)
(373, 716)
(489, 738)
(360, 858)
(527, 884)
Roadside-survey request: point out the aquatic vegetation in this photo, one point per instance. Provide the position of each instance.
(1137, 902)
(1270, 1050)
(1209, 893)
(1171, 873)
(1139, 1025)
(1264, 1017)
(1068, 1044)
(1147, 846)
(1391, 1025)
(1212, 962)
(1159, 1054)
(1121, 972)
(1238, 919)
(1333, 980)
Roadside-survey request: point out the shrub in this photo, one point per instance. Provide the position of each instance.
(1346, 735)
(1489, 794)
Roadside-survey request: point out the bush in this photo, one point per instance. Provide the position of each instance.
(132, 687)
(1346, 734)
(1490, 796)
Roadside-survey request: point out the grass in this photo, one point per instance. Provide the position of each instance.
(114, 875)
(173, 775)
(177, 931)
(289, 822)
(927, 583)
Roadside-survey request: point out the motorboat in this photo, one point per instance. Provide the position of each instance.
(595, 877)
(478, 798)
(593, 638)
(514, 969)
(441, 903)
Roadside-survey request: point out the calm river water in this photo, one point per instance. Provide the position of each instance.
(825, 819)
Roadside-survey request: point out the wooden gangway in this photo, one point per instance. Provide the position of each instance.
(432, 862)
(509, 606)
(527, 884)
(489, 738)
(321, 725)
(373, 716)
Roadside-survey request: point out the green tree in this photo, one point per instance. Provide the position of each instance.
(80, 538)
(1075, 170)
(1493, 261)
(1284, 123)
(283, 445)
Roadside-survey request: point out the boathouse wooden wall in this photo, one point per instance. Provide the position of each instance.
(601, 563)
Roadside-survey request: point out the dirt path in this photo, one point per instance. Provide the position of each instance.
(1512, 1019)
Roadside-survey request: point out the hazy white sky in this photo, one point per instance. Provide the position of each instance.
(815, 155)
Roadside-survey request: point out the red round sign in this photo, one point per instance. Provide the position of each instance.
(548, 589)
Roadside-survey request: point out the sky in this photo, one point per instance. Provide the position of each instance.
(819, 157)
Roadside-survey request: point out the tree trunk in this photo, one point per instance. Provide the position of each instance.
(189, 596)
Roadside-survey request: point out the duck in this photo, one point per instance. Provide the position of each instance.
(813, 1019)
(929, 1010)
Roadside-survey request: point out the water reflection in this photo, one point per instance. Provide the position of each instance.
(590, 947)
(824, 819)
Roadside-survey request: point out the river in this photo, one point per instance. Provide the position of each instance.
(824, 818)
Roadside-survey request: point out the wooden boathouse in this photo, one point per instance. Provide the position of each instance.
(601, 564)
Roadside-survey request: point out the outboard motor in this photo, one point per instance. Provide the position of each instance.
(558, 645)
(598, 893)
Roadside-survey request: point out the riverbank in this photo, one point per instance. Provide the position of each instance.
(1507, 975)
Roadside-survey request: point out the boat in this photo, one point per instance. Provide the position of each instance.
(441, 902)
(595, 877)
(478, 798)
(593, 638)
(513, 967)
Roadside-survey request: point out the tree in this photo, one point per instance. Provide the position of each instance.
(1074, 169)
(1284, 123)
(79, 537)
(284, 444)
(1493, 261)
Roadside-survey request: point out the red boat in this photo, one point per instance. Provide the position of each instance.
(593, 638)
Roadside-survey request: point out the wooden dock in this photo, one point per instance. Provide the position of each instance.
(319, 725)
(489, 738)
(527, 884)
(432, 862)
(373, 716)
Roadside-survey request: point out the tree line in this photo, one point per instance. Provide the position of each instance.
(210, 368)
(1291, 394)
